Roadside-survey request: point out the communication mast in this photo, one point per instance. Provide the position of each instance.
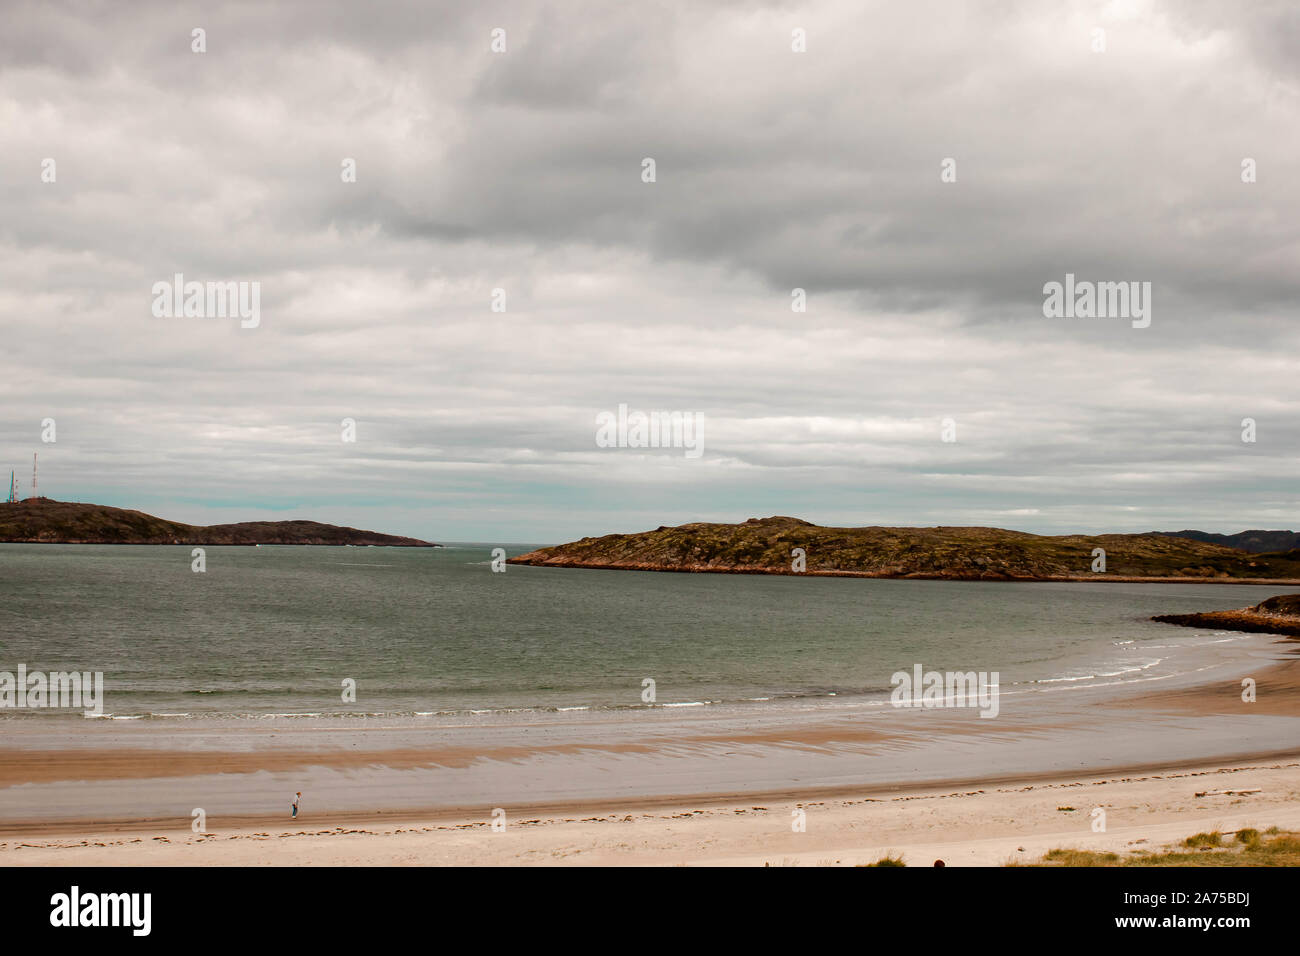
(35, 493)
(13, 488)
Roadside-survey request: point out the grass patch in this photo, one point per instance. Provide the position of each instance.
(886, 861)
(1080, 858)
(1249, 847)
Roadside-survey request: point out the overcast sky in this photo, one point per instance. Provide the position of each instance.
(774, 170)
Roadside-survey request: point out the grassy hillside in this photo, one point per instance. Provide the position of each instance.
(763, 546)
(43, 520)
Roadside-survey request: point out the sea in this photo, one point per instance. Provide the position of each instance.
(357, 633)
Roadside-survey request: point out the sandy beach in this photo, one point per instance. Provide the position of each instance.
(986, 826)
(1164, 757)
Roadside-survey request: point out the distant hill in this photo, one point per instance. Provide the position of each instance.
(1257, 542)
(46, 521)
(764, 546)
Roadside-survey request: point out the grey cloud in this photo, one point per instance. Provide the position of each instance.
(522, 171)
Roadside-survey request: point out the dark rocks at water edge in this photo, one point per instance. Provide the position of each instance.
(783, 545)
(46, 521)
(1277, 615)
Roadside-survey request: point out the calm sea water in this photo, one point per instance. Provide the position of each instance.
(276, 630)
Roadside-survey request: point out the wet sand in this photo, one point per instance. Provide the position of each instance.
(683, 786)
(1277, 691)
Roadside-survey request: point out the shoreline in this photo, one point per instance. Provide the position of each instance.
(902, 790)
(913, 576)
(1245, 620)
(141, 778)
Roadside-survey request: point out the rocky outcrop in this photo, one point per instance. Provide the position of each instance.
(1277, 615)
(771, 546)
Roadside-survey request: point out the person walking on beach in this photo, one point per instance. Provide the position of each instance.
(296, 797)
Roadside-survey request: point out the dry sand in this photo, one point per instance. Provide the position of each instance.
(982, 827)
